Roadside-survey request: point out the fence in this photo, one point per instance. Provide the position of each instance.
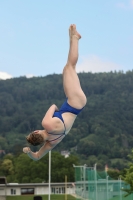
(93, 185)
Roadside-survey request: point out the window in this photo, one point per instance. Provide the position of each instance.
(53, 190)
(13, 191)
(27, 191)
(59, 190)
(63, 190)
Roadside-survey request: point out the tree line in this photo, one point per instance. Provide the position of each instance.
(21, 169)
(103, 131)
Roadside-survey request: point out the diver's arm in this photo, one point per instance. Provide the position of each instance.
(42, 151)
(49, 114)
(48, 123)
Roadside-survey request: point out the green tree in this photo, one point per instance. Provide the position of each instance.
(7, 168)
(104, 127)
(114, 174)
(22, 169)
(128, 176)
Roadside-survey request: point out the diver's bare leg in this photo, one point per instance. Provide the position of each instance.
(71, 83)
(74, 37)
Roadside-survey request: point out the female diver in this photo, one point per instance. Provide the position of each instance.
(57, 123)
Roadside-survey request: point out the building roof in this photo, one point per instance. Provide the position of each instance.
(35, 184)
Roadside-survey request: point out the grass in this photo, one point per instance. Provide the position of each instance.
(58, 197)
(44, 197)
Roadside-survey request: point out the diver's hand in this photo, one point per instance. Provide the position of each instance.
(26, 150)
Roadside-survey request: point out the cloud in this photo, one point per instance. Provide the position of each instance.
(29, 75)
(94, 64)
(127, 5)
(4, 76)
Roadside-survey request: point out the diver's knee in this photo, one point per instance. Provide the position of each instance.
(68, 67)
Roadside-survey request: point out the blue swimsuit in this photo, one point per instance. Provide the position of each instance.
(64, 108)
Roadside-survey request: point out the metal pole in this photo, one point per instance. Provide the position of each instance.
(95, 167)
(84, 179)
(65, 187)
(107, 187)
(120, 189)
(49, 174)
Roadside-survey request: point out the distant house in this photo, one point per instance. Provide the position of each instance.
(65, 153)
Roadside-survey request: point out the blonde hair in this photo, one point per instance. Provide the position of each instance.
(34, 139)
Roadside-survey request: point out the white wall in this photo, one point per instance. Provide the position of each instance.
(2, 191)
(41, 190)
(38, 189)
(8, 191)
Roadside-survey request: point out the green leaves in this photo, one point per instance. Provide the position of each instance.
(108, 114)
(128, 175)
(22, 169)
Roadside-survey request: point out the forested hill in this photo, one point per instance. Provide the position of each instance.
(103, 131)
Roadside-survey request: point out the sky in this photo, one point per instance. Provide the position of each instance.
(34, 37)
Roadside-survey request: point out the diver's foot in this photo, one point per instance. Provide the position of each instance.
(73, 32)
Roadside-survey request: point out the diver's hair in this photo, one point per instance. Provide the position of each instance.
(34, 139)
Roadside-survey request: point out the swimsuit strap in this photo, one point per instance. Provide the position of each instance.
(55, 138)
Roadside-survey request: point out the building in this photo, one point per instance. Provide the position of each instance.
(65, 153)
(35, 188)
